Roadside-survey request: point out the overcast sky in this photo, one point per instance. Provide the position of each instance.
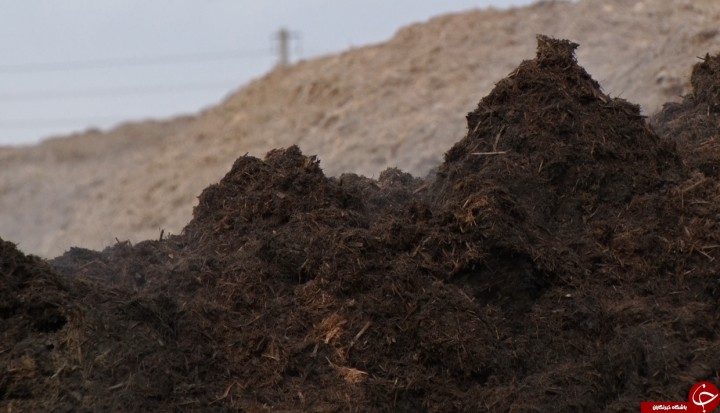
(69, 65)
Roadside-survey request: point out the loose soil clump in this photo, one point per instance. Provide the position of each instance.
(562, 258)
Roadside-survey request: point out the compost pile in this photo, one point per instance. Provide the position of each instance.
(564, 257)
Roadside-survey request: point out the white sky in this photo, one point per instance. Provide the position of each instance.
(38, 101)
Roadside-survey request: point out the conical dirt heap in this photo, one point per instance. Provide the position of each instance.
(551, 140)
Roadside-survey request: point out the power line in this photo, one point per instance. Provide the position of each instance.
(91, 93)
(132, 61)
(53, 123)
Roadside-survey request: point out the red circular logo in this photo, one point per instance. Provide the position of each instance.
(705, 395)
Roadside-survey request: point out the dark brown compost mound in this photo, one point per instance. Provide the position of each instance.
(563, 258)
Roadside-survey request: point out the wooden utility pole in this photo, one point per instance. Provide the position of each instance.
(284, 38)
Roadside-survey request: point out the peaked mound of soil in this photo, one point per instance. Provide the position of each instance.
(549, 132)
(547, 151)
(563, 258)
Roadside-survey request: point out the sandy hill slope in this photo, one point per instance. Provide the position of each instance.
(399, 103)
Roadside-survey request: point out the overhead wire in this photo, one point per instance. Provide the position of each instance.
(124, 91)
(107, 64)
(52, 123)
(131, 61)
(140, 90)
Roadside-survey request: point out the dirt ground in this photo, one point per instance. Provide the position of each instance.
(397, 104)
(562, 258)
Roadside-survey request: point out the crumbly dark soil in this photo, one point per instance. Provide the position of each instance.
(564, 257)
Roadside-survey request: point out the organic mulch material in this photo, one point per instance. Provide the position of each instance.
(564, 257)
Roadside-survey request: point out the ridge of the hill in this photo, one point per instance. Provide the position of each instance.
(398, 103)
